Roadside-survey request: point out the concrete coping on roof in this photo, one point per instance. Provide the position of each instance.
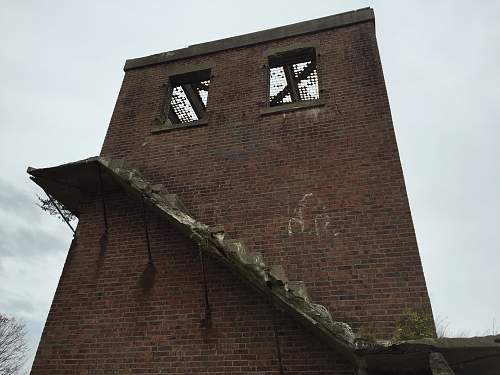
(301, 28)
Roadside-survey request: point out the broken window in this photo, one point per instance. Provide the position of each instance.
(293, 77)
(188, 96)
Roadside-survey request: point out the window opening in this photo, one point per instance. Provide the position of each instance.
(189, 97)
(293, 77)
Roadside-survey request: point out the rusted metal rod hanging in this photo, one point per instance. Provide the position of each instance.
(104, 237)
(60, 213)
(146, 230)
(277, 339)
(207, 321)
(103, 203)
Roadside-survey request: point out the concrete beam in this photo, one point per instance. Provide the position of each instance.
(194, 100)
(290, 80)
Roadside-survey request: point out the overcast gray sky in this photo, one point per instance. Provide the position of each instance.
(61, 68)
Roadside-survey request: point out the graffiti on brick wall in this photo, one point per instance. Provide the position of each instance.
(310, 216)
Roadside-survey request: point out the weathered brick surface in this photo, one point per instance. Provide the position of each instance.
(318, 190)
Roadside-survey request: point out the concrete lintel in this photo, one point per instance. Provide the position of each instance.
(306, 27)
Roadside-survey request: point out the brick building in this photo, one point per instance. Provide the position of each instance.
(230, 170)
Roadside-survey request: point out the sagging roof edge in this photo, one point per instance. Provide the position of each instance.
(295, 29)
(270, 281)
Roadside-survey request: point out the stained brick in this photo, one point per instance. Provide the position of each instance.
(318, 190)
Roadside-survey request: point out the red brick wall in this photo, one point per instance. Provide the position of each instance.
(333, 168)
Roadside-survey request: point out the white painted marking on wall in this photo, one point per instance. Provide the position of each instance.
(305, 221)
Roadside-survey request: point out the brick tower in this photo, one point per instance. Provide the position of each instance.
(230, 170)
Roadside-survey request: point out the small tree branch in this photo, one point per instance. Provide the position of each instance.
(13, 345)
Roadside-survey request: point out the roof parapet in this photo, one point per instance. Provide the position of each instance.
(295, 29)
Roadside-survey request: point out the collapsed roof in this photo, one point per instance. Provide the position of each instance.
(71, 183)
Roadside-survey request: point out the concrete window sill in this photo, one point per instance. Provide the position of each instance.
(169, 126)
(291, 107)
